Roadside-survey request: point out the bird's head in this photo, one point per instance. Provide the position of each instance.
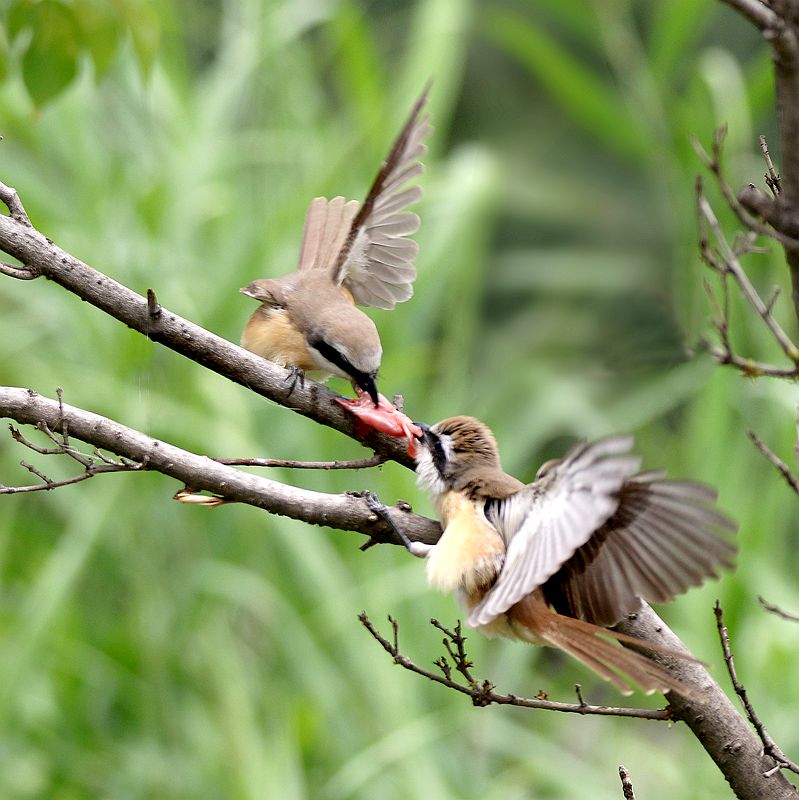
(451, 449)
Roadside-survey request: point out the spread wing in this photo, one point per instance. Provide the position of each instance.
(366, 246)
(544, 523)
(327, 225)
(665, 537)
(376, 261)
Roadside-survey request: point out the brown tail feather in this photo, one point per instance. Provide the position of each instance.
(587, 644)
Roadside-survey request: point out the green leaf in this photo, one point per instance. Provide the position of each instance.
(49, 64)
(18, 18)
(100, 30)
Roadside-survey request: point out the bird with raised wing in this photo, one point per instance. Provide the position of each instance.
(351, 254)
(558, 560)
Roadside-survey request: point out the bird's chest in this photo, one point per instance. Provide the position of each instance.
(469, 555)
(271, 334)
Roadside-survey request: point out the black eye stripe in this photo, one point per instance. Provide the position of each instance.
(334, 356)
(438, 453)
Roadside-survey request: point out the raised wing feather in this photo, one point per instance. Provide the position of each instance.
(327, 225)
(375, 261)
(665, 537)
(544, 523)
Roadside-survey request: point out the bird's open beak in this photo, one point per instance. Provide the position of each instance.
(367, 383)
(248, 291)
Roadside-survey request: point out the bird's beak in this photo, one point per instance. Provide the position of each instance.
(367, 383)
(248, 291)
(424, 428)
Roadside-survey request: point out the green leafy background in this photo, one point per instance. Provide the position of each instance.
(153, 650)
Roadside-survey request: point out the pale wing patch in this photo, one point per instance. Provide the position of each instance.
(665, 537)
(545, 522)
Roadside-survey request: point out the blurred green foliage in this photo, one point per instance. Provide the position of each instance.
(154, 650)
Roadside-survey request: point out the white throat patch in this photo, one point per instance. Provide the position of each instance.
(427, 476)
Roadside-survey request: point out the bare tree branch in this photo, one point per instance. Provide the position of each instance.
(10, 198)
(482, 692)
(346, 512)
(724, 260)
(780, 465)
(19, 239)
(20, 273)
(769, 745)
(771, 176)
(750, 199)
(90, 464)
(716, 723)
(758, 13)
(733, 266)
(777, 610)
(778, 20)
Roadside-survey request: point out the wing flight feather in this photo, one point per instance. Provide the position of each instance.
(547, 521)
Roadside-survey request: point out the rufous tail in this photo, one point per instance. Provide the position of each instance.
(589, 644)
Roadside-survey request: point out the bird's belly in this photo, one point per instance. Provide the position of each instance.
(270, 334)
(468, 556)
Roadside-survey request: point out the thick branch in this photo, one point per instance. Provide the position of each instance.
(346, 512)
(721, 730)
(144, 315)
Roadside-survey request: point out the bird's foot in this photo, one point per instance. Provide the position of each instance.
(296, 375)
(381, 510)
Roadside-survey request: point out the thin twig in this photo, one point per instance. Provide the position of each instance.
(733, 265)
(759, 14)
(772, 178)
(726, 354)
(714, 165)
(20, 273)
(578, 690)
(153, 306)
(777, 610)
(778, 463)
(360, 463)
(751, 368)
(10, 198)
(62, 447)
(48, 485)
(770, 747)
(482, 693)
(459, 657)
(626, 783)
